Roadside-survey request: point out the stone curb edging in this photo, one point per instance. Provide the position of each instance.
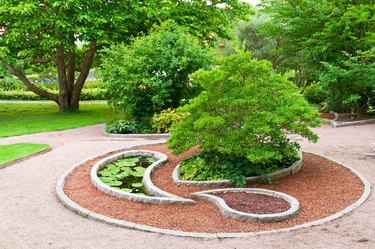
(150, 136)
(66, 201)
(2, 166)
(334, 124)
(295, 167)
(235, 214)
(159, 196)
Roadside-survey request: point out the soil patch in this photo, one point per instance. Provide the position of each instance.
(343, 117)
(254, 203)
(326, 115)
(321, 187)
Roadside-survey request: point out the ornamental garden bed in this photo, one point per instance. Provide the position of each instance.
(320, 187)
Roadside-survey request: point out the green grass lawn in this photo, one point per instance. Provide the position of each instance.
(12, 152)
(19, 119)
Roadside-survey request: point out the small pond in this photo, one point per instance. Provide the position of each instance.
(126, 174)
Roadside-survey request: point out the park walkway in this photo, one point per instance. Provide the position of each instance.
(31, 216)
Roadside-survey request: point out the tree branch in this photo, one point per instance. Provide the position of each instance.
(28, 84)
(85, 69)
(43, 60)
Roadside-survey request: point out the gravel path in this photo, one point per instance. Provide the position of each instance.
(32, 217)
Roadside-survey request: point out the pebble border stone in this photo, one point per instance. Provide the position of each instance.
(334, 124)
(156, 195)
(295, 167)
(235, 214)
(66, 201)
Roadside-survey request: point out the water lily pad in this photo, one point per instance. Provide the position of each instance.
(151, 159)
(122, 175)
(107, 179)
(114, 183)
(127, 190)
(137, 173)
(128, 162)
(105, 172)
(140, 169)
(137, 185)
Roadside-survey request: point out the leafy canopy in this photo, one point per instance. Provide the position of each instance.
(325, 33)
(46, 33)
(151, 74)
(245, 111)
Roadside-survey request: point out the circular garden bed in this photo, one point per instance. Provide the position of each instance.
(320, 187)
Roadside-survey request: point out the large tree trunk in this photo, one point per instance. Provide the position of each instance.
(85, 69)
(69, 91)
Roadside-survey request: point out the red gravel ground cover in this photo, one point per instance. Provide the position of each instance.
(321, 186)
(254, 203)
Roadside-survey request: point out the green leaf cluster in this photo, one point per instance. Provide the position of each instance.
(163, 121)
(151, 74)
(245, 112)
(325, 35)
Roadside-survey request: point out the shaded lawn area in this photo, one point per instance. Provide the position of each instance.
(19, 119)
(13, 152)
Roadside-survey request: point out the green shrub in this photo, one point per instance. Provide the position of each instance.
(19, 95)
(350, 82)
(151, 74)
(242, 118)
(87, 94)
(124, 127)
(315, 94)
(163, 121)
(10, 84)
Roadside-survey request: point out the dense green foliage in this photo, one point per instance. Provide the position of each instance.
(121, 126)
(244, 113)
(19, 119)
(163, 121)
(151, 74)
(12, 152)
(86, 94)
(323, 35)
(67, 34)
(349, 84)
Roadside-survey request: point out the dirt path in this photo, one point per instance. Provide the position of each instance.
(32, 217)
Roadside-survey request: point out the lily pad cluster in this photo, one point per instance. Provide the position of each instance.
(126, 174)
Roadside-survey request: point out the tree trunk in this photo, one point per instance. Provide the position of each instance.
(69, 91)
(85, 69)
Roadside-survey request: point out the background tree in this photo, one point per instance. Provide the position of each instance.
(151, 74)
(39, 33)
(329, 31)
(242, 118)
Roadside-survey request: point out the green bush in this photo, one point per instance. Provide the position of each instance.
(163, 121)
(151, 74)
(315, 94)
(242, 118)
(124, 127)
(10, 83)
(87, 94)
(350, 82)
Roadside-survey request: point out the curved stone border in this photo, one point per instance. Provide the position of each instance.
(2, 166)
(157, 196)
(295, 167)
(343, 124)
(235, 214)
(66, 201)
(150, 136)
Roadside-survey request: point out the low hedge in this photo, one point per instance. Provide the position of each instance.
(87, 94)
